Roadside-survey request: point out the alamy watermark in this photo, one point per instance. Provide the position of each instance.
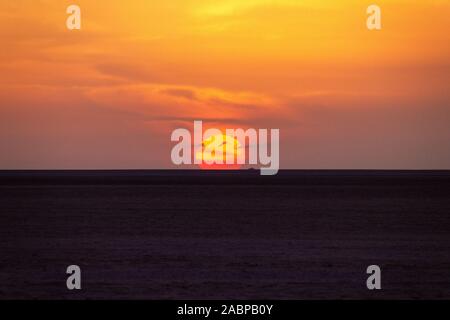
(214, 147)
(73, 21)
(373, 21)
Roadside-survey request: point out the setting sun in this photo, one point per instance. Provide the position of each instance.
(217, 161)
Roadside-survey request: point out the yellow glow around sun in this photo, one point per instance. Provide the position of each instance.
(229, 145)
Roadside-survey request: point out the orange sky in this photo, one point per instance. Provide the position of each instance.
(109, 95)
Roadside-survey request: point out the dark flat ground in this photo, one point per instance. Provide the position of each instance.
(209, 235)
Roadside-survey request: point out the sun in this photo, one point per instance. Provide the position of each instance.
(231, 148)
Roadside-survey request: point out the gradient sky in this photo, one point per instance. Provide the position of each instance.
(109, 95)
